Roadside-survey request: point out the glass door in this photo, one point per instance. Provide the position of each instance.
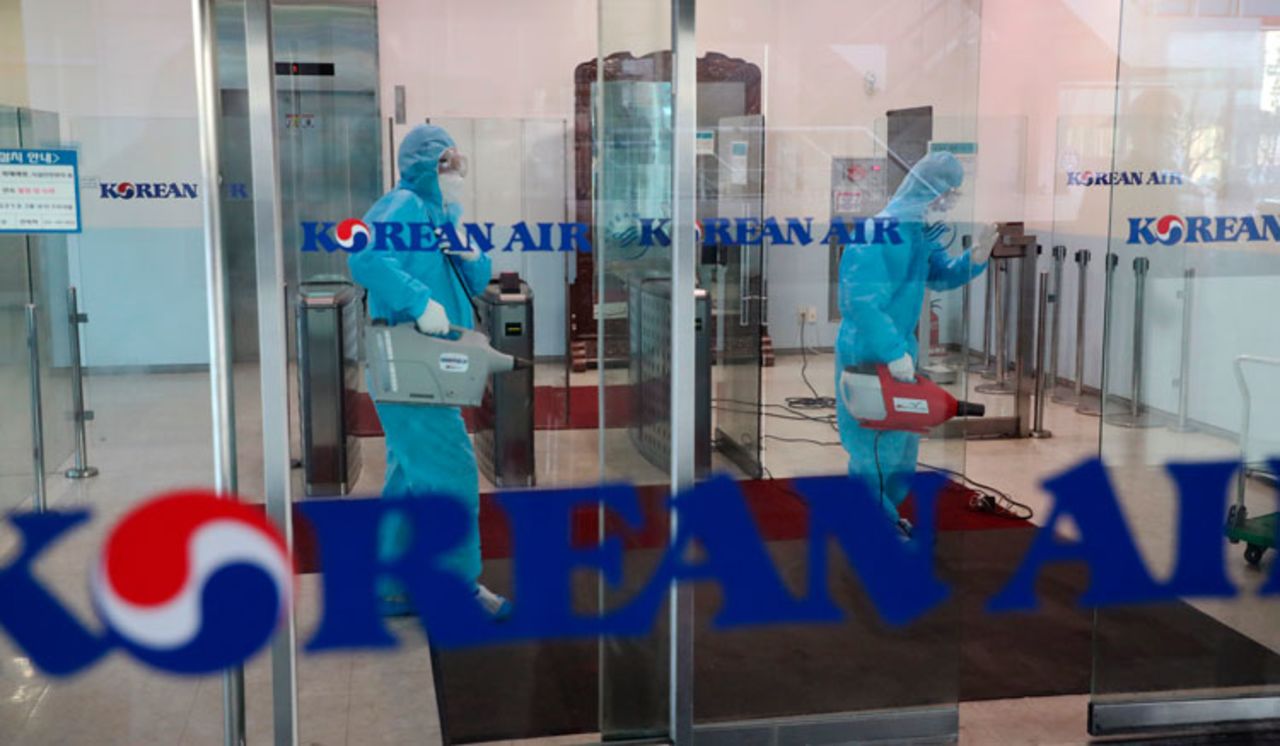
(17, 478)
(805, 174)
(1192, 367)
(739, 290)
(137, 265)
(36, 276)
(633, 137)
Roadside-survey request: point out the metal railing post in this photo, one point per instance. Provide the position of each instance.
(1088, 404)
(1042, 310)
(81, 470)
(1136, 417)
(39, 499)
(1059, 258)
(1073, 393)
(1000, 306)
(987, 316)
(1183, 423)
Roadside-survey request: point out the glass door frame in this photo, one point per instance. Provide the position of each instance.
(1154, 711)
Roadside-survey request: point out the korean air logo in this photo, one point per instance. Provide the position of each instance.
(146, 190)
(352, 235)
(192, 583)
(1170, 229)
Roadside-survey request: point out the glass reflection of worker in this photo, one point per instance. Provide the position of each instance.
(882, 288)
(428, 451)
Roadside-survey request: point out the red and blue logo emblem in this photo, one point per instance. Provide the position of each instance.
(191, 582)
(352, 235)
(1170, 229)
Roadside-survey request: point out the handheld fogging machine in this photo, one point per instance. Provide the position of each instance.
(407, 366)
(878, 401)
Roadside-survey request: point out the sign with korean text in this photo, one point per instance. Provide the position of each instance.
(39, 191)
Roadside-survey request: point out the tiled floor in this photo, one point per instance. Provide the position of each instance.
(152, 433)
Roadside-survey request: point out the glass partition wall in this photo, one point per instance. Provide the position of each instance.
(810, 115)
(36, 283)
(1193, 363)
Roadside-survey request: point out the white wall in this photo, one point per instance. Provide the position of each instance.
(120, 74)
(1190, 100)
(815, 57)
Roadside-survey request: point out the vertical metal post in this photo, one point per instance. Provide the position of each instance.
(1073, 393)
(82, 469)
(272, 336)
(1140, 265)
(1183, 423)
(999, 271)
(39, 499)
(1086, 404)
(999, 330)
(683, 354)
(1136, 416)
(1042, 311)
(222, 396)
(985, 366)
(1059, 258)
(1001, 340)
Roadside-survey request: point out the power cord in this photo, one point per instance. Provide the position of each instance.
(811, 441)
(817, 401)
(449, 259)
(988, 499)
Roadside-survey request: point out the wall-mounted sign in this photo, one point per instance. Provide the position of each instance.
(39, 191)
(705, 142)
(954, 148)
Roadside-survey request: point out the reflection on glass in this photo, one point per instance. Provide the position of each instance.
(1186, 371)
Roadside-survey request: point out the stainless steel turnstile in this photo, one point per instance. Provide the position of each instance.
(329, 321)
(650, 373)
(504, 422)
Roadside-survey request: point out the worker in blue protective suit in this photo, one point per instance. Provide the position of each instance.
(428, 450)
(882, 286)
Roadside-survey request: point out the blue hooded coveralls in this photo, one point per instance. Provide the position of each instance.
(428, 450)
(882, 288)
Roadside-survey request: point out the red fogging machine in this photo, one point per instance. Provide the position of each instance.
(878, 401)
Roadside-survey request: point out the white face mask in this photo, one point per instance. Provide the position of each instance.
(452, 188)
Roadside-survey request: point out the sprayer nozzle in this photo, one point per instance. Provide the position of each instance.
(970, 409)
(522, 363)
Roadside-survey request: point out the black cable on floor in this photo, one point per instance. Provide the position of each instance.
(792, 414)
(811, 441)
(817, 401)
(988, 499)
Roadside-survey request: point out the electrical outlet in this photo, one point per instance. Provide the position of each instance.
(811, 315)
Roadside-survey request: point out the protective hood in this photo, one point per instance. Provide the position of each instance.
(420, 152)
(932, 176)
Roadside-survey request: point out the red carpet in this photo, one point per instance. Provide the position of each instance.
(554, 408)
(779, 513)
